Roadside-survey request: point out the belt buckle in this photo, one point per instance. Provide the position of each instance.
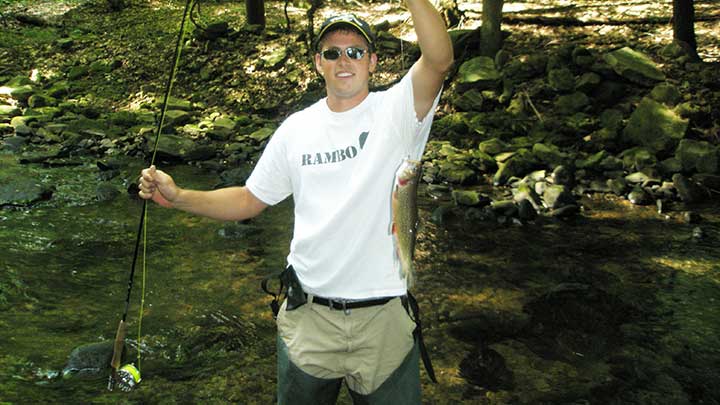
(343, 304)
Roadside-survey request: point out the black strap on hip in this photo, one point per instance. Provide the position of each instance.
(411, 302)
(275, 303)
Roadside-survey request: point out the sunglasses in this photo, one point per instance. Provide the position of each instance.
(351, 52)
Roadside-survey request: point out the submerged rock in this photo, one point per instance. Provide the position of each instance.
(22, 191)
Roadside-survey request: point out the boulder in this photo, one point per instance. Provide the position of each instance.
(516, 166)
(588, 82)
(466, 197)
(479, 72)
(179, 148)
(666, 93)
(176, 118)
(556, 196)
(572, 103)
(634, 66)
(22, 191)
(700, 156)
(561, 79)
(9, 111)
(638, 158)
(471, 100)
(494, 146)
(655, 126)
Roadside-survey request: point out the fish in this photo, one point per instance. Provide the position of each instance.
(89, 361)
(405, 216)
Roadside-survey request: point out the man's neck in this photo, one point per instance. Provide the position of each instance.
(339, 104)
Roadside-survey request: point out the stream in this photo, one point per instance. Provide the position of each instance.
(617, 305)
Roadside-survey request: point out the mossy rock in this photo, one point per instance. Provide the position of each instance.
(479, 72)
(655, 126)
(634, 66)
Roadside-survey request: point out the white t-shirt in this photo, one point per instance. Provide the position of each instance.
(340, 168)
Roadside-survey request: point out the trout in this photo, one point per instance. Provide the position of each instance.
(405, 216)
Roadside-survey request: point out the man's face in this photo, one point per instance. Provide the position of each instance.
(346, 79)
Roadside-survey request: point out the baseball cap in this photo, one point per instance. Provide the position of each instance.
(350, 20)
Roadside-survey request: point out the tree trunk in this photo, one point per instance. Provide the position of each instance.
(255, 11)
(490, 35)
(684, 26)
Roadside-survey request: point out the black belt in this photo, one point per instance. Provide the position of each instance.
(341, 304)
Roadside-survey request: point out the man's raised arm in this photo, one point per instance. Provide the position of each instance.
(437, 54)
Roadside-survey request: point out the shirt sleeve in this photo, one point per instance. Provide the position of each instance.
(270, 179)
(413, 132)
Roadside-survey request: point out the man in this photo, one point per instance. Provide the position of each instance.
(338, 158)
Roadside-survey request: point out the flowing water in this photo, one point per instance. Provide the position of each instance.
(615, 306)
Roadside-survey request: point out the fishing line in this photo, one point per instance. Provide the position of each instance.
(142, 228)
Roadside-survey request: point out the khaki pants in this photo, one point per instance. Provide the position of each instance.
(364, 346)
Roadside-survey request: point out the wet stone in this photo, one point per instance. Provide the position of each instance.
(639, 196)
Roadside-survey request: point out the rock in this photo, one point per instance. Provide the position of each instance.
(450, 125)
(14, 143)
(583, 57)
(222, 129)
(701, 156)
(59, 89)
(234, 177)
(561, 79)
(22, 191)
(636, 159)
(525, 192)
(506, 208)
(466, 197)
(588, 82)
(471, 100)
(174, 104)
(40, 100)
(262, 134)
(609, 93)
(516, 166)
(479, 72)
(557, 196)
(179, 148)
(688, 191)
(709, 182)
(618, 186)
(572, 103)
(176, 118)
(77, 72)
(20, 93)
(526, 67)
(275, 58)
(666, 93)
(591, 162)
(456, 173)
(669, 166)
(549, 154)
(691, 217)
(526, 210)
(563, 176)
(106, 191)
(9, 111)
(673, 50)
(634, 66)
(642, 179)
(655, 126)
(639, 196)
(565, 211)
(611, 119)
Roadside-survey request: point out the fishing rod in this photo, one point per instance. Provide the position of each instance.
(128, 376)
